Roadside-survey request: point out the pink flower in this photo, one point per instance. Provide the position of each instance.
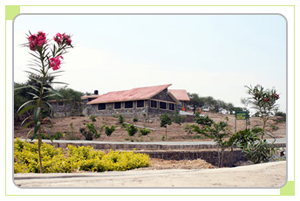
(67, 39)
(61, 39)
(55, 62)
(58, 38)
(37, 40)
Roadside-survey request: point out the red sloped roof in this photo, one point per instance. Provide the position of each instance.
(180, 94)
(141, 93)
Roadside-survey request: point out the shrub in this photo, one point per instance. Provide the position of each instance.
(51, 137)
(274, 128)
(131, 130)
(70, 135)
(165, 120)
(92, 118)
(124, 125)
(145, 131)
(259, 151)
(108, 130)
(281, 114)
(134, 119)
(90, 133)
(121, 119)
(177, 118)
(26, 158)
(205, 121)
(81, 158)
(245, 137)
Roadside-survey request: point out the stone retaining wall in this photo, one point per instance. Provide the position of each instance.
(166, 151)
(210, 156)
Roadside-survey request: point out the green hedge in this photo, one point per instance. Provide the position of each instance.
(56, 160)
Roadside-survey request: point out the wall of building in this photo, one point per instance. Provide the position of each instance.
(66, 109)
(143, 112)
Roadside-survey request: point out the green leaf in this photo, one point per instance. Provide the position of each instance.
(36, 114)
(25, 120)
(34, 55)
(49, 120)
(29, 123)
(23, 87)
(47, 96)
(59, 83)
(30, 101)
(49, 133)
(34, 96)
(51, 108)
(29, 132)
(37, 80)
(34, 88)
(25, 109)
(36, 127)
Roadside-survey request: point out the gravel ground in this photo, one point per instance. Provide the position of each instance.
(272, 175)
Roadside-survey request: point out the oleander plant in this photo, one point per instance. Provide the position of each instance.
(45, 64)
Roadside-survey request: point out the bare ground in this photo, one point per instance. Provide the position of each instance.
(70, 127)
(270, 175)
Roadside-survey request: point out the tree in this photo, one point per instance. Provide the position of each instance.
(195, 101)
(165, 120)
(264, 101)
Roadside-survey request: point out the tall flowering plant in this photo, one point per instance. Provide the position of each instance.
(46, 59)
(264, 100)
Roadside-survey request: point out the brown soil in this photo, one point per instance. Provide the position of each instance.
(160, 164)
(175, 132)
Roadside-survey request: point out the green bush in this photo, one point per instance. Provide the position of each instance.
(245, 137)
(51, 137)
(108, 130)
(281, 114)
(177, 118)
(92, 118)
(274, 128)
(131, 129)
(145, 131)
(259, 151)
(205, 121)
(90, 133)
(134, 119)
(81, 158)
(121, 119)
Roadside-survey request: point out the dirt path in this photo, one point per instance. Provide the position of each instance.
(261, 175)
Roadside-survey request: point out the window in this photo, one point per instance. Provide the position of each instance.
(162, 105)
(171, 106)
(129, 104)
(117, 105)
(89, 99)
(60, 104)
(153, 104)
(140, 103)
(101, 106)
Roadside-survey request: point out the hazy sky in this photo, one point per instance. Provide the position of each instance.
(212, 55)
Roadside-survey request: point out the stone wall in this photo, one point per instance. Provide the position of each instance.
(66, 109)
(229, 157)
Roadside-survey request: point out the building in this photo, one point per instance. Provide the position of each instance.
(66, 108)
(182, 96)
(138, 102)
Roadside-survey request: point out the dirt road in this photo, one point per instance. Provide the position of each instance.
(262, 175)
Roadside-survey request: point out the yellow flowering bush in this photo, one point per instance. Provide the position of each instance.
(55, 160)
